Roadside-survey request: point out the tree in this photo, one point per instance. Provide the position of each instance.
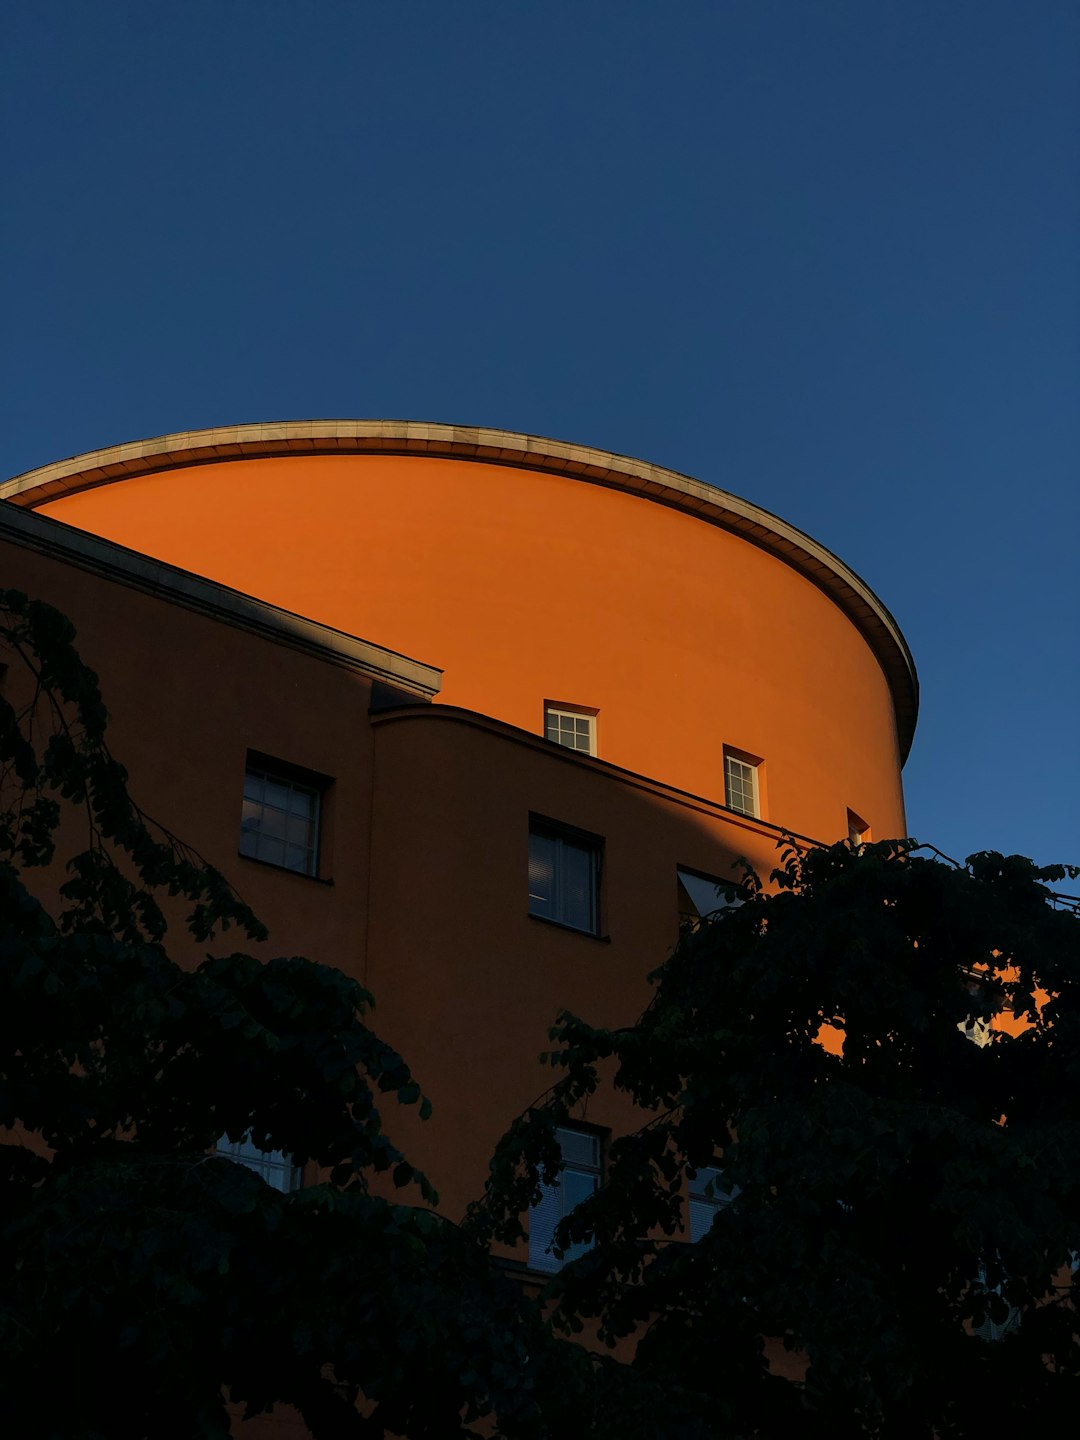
(146, 1280)
(897, 1208)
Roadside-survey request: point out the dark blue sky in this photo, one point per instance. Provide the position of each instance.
(824, 255)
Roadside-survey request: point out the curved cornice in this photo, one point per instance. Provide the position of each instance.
(504, 447)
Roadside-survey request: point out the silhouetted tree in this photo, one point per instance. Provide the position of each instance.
(896, 1208)
(147, 1281)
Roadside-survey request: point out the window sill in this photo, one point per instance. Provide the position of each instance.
(284, 869)
(572, 929)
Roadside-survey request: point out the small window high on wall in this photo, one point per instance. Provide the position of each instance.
(570, 726)
(742, 785)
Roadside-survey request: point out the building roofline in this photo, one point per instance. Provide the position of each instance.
(504, 447)
(220, 602)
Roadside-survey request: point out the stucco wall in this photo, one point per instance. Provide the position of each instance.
(524, 586)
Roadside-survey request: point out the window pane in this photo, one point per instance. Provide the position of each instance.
(576, 890)
(542, 875)
(272, 823)
(275, 1167)
(702, 1216)
(250, 821)
(271, 850)
(279, 821)
(705, 895)
(298, 830)
(740, 785)
(706, 1184)
(276, 793)
(301, 800)
(563, 877)
(543, 1217)
(579, 1147)
(567, 727)
(579, 1247)
(581, 1156)
(708, 1196)
(577, 1186)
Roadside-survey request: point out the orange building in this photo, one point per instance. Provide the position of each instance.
(624, 680)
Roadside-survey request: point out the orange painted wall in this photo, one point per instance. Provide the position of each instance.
(187, 697)
(522, 586)
(525, 586)
(467, 981)
(426, 847)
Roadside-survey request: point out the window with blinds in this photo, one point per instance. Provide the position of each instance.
(579, 1178)
(707, 1197)
(564, 876)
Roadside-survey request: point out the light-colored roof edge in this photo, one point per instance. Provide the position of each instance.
(220, 602)
(504, 447)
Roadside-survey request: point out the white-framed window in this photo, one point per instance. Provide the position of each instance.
(858, 831)
(573, 728)
(707, 1197)
(741, 789)
(700, 896)
(275, 1167)
(579, 1177)
(564, 875)
(280, 819)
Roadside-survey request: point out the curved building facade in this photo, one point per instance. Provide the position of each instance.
(679, 618)
(477, 717)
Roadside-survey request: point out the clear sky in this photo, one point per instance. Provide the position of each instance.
(825, 255)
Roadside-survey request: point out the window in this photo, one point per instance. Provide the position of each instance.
(579, 1177)
(275, 1167)
(564, 876)
(703, 895)
(1007, 1316)
(858, 831)
(741, 783)
(280, 822)
(707, 1198)
(576, 729)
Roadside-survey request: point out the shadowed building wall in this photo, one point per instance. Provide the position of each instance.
(732, 679)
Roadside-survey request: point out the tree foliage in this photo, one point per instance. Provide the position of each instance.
(895, 1258)
(902, 1206)
(147, 1281)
